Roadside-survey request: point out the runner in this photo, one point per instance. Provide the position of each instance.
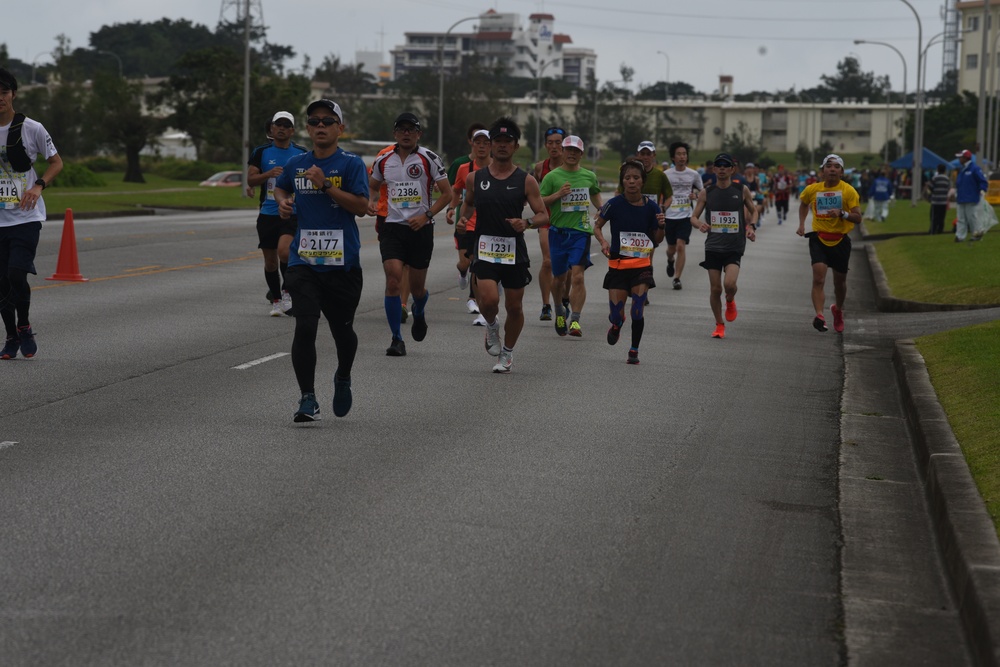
(781, 185)
(685, 184)
(498, 194)
(731, 213)
(465, 240)
(553, 144)
(410, 172)
(470, 133)
(751, 181)
(637, 226)
(22, 211)
(383, 210)
(330, 188)
(836, 208)
(568, 192)
(273, 234)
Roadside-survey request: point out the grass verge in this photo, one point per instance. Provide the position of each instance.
(157, 191)
(935, 269)
(963, 369)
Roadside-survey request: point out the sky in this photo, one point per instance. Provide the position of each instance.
(765, 45)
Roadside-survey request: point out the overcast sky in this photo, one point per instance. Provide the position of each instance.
(764, 44)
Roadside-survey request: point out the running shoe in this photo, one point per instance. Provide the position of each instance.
(397, 348)
(463, 280)
(575, 330)
(492, 340)
(472, 306)
(614, 333)
(561, 325)
(819, 323)
(286, 303)
(419, 329)
(720, 331)
(404, 315)
(546, 315)
(342, 398)
(677, 283)
(276, 310)
(838, 318)
(504, 363)
(10, 348)
(731, 310)
(670, 268)
(565, 303)
(633, 357)
(27, 338)
(308, 409)
(480, 321)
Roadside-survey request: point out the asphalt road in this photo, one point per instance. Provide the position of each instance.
(159, 507)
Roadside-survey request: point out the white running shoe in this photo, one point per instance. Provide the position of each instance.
(463, 281)
(286, 302)
(480, 321)
(276, 309)
(472, 306)
(504, 363)
(493, 346)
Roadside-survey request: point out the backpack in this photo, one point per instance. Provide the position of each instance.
(16, 154)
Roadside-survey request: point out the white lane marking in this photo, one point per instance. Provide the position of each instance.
(7, 443)
(255, 362)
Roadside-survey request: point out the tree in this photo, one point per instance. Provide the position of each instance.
(344, 79)
(743, 144)
(850, 81)
(115, 106)
(623, 123)
(949, 126)
(151, 49)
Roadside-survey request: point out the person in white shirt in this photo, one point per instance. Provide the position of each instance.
(686, 183)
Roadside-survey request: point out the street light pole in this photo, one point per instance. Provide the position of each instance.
(666, 83)
(902, 146)
(441, 80)
(981, 110)
(121, 74)
(918, 115)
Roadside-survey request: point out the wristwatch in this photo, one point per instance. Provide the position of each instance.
(430, 218)
(326, 186)
(41, 182)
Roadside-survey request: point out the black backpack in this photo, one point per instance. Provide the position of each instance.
(16, 154)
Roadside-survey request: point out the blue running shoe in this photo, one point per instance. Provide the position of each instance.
(27, 338)
(10, 348)
(308, 409)
(342, 398)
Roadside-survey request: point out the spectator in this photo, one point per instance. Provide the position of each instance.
(880, 193)
(938, 188)
(969, 183)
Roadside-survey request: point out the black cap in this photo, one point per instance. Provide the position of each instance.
(7, 80)
(505, 127)
(724, 157)
(407, 117)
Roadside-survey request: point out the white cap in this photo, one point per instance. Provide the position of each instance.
(327, 104)
(646, 146)
(284, 114)
(573, 141)
(836, 158)
(749, 164)
(480, 133)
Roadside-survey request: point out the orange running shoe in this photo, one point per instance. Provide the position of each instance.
(720, 331)
(731, 310)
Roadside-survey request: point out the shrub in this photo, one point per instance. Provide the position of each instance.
(103, 163)
(185, 170)
(74, 175)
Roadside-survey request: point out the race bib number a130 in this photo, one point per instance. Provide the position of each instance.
(322, 247)
(829, 201)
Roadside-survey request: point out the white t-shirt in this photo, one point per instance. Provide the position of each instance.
(684, 183)
(13, 184)
(409, 182)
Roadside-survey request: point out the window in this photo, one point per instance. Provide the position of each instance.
(972, 61)
(972, 23)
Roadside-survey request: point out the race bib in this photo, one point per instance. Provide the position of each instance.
(322, 247)
(406, 194)
(634, 244)
(725, 222)
(680, 202)
(497, 249)
(828, 201)
(578, 199)
(270, 189)
(9, 197)
(781, 185)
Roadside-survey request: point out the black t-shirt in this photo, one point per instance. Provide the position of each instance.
(497, 200)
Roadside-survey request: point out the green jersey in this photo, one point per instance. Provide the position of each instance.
(573, 210)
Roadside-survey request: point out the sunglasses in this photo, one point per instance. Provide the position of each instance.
(325, 120)
(555, 130)
(282, 123)
(723, 165)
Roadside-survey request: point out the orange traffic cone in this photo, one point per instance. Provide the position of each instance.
(68, 267)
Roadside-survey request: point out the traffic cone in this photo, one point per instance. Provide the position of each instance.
(68, 267)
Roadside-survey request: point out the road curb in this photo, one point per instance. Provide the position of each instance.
(968, 541)
(887, 303)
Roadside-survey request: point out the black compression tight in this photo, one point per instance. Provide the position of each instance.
(304, 350)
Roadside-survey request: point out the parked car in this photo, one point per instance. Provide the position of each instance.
(224, 179)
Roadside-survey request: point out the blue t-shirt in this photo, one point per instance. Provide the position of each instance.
(881, 189)
(625, 221)
(327, 235)
(265, 158)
